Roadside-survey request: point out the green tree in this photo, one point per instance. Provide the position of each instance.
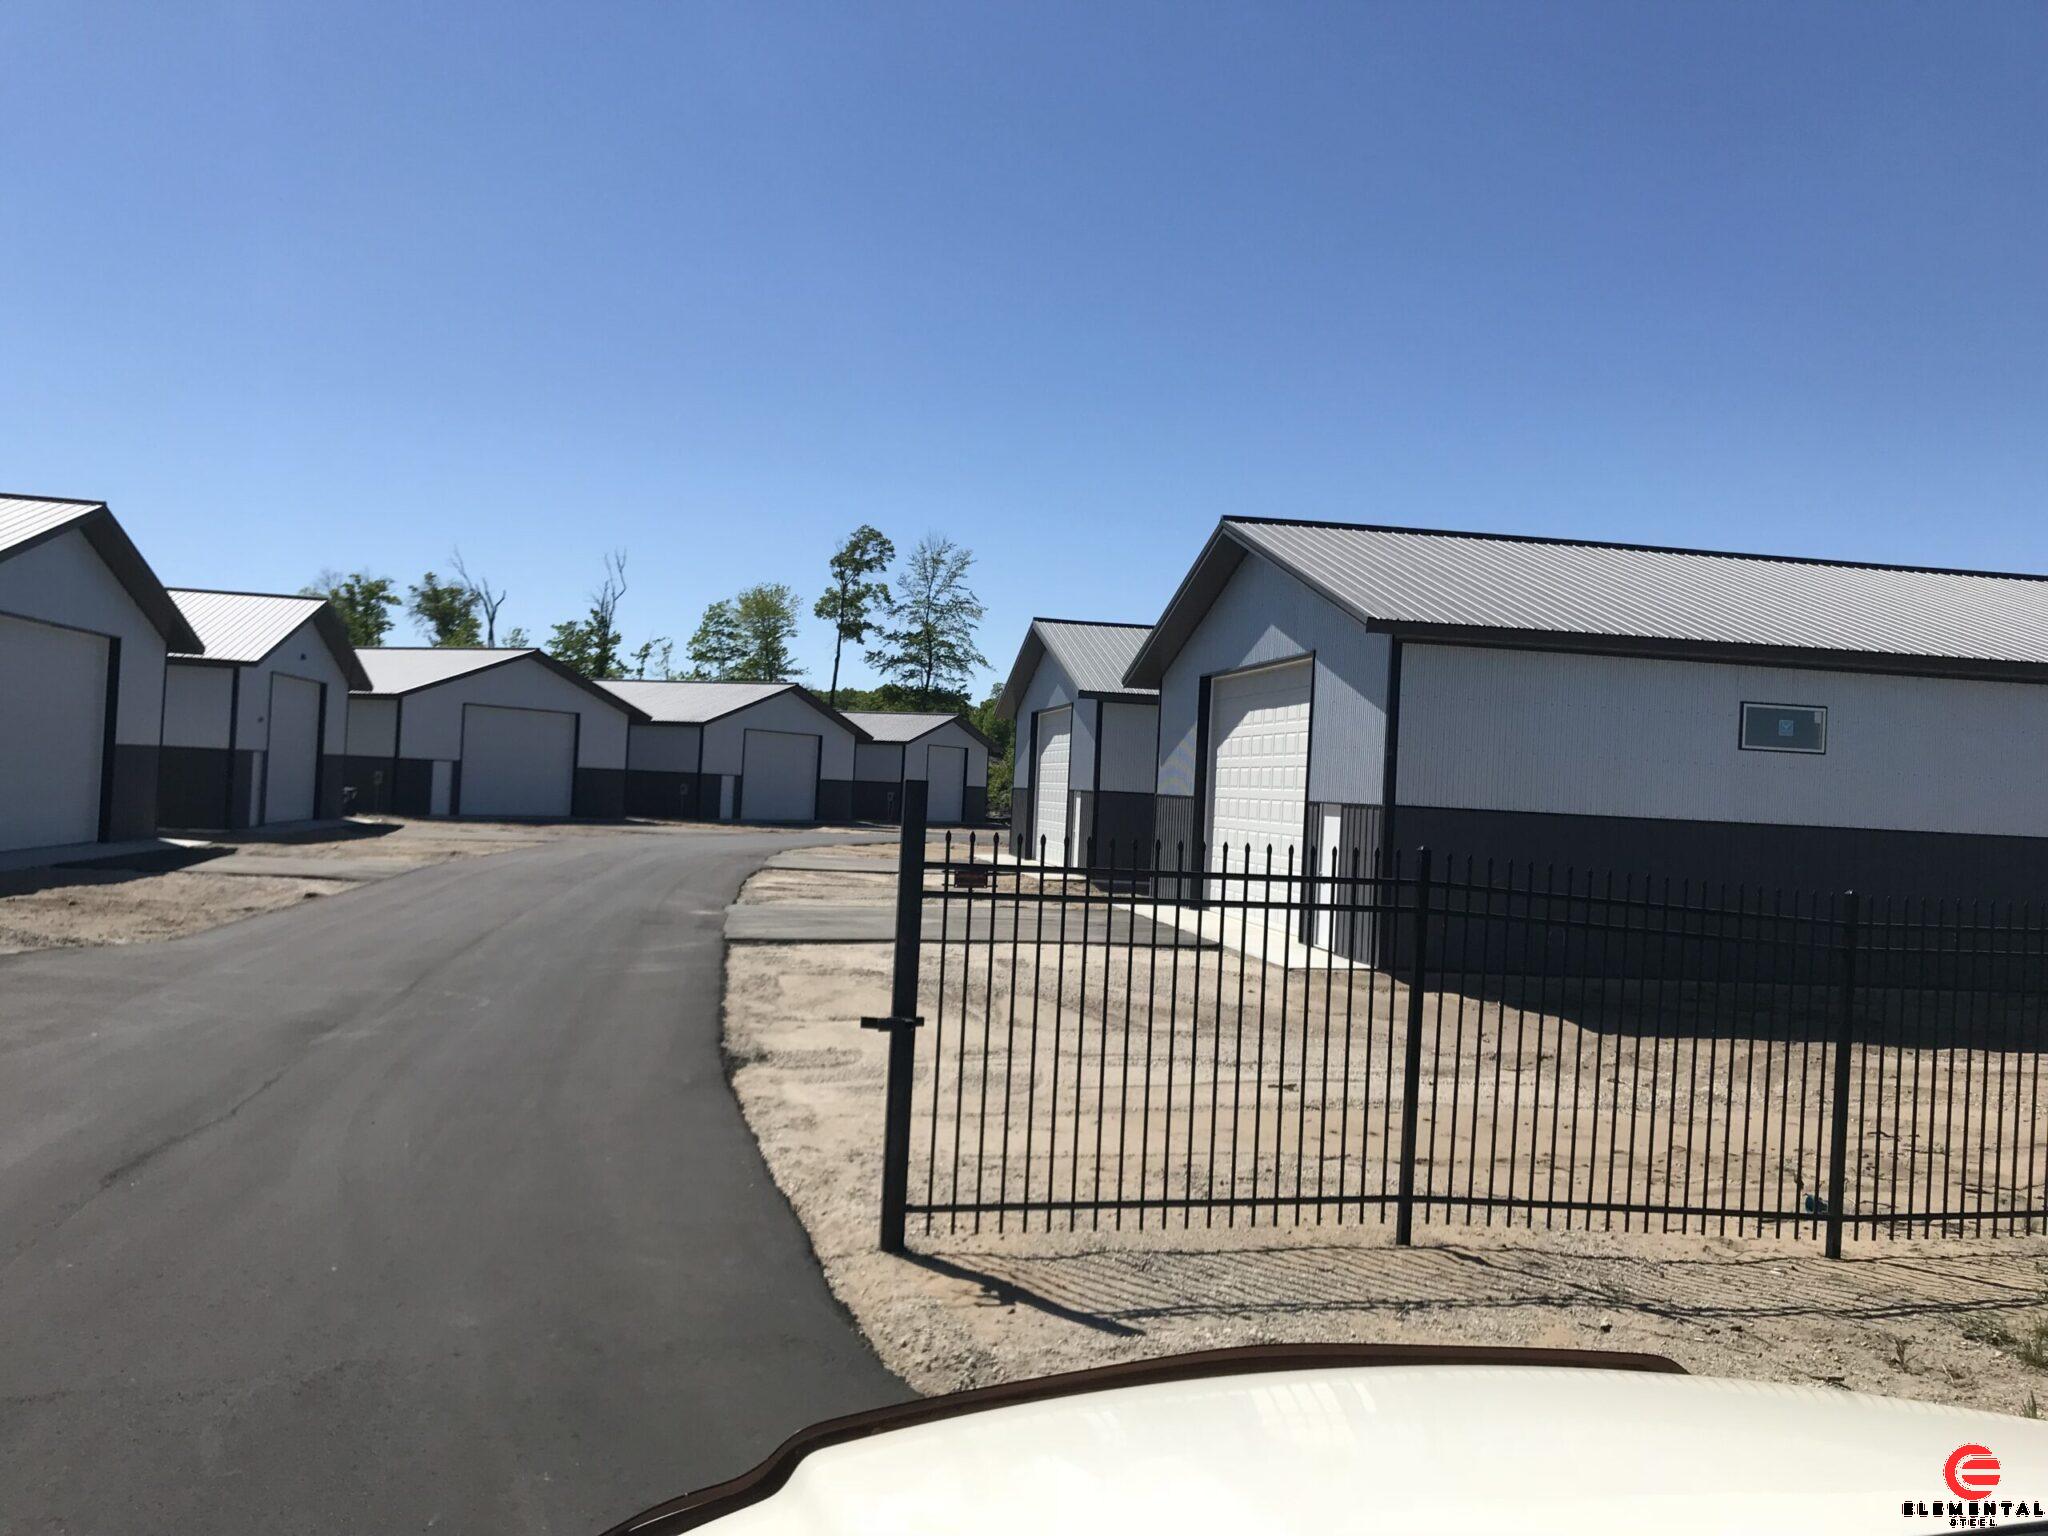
(653, 658)
(855, 597)
(927, 645)
(746, 639)
(716, 648)
(1002, 763)
(767, 622)
(446, 611)
(592, 645)
(363, 601)
(515, 638)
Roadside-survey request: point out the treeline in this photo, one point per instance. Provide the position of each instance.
(915, 625)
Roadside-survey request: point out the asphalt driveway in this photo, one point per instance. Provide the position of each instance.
(424, 1206)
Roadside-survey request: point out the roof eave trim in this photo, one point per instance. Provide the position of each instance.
(1222, 554)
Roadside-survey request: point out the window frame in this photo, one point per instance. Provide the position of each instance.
(1742, 741)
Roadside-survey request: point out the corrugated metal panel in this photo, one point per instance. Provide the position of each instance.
(27, 517)
(400, 669)
(242, 626)
(1401, 575)
(687, 703)
(1095, 656)
(894, 727)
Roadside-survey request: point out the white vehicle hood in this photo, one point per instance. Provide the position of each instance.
(1316, 1452)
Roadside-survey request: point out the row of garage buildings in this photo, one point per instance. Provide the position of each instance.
(1324, 693)
(127, 707)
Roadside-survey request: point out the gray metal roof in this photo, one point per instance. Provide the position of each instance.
(26, 521)
(1419, 580)
(891, 728)
(247, 626)
(689, 702)
(1094, 655)
(396, 669)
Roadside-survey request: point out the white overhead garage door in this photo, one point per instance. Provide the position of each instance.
(1049, 779)
(53, 711)
(779, 776)
(292, 767)
(517, 762)
(945, 771)
(1258, 774)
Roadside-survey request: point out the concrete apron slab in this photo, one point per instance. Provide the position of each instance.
(831, 864)
(833, 922)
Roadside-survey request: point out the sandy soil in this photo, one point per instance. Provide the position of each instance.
(60, 909)
(1959, 1319)
(68, 908)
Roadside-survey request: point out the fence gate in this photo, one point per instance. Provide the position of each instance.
(1125, 1041)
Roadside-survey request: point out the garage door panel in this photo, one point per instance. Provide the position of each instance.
(53, 701)
(946, 775)
(779, 776)
(1258, 774)
(1050, 775)
(292, 764)
(517, 762)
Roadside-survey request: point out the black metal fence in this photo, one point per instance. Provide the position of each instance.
(1504, 1045)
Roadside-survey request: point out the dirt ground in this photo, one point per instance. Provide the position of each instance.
(1957, 1319)
(65, 909)
(69, 908)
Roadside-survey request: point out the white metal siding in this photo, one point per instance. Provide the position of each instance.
(196, 705)
(1263, 614)
(878, 762)
(1625, 736)
(662, 748)
(1050, 688)
(1130, 746)
(64, 581)
(432, 717)
(291, 774)
(1049, 803)
(725, 739)
(946, 773)
(303, 653)
(53, 696)
(517, 762)
(951, 734)
(779, 781)
(1258, 775)
(372, 727)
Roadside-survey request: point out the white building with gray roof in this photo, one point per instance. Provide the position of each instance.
(475, 731)
(1327, 691)
(1087, 743)
(945, 751)
(710, 751)
(256, 723)
(85, 627)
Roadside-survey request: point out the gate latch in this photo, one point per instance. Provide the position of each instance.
(913, 1022)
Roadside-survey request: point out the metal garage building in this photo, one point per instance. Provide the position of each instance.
(1712, 717)
(737, 752)
(84, 629)
(255, 729)
(448, 731)
(946, 751)
(1087, 742)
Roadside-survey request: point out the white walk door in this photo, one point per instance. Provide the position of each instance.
(1258, 776)
(517, 762)
(53, 712)
(945, 771)
(779, 776)
(292, 765)
(1049, 779)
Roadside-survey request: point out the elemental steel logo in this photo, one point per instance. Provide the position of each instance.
(1972, 1475)
(1972, 1472)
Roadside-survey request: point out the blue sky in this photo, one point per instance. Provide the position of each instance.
(297, 286)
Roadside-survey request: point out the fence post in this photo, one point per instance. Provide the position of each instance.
(1845, 1028)
(903, 1023)
(1411, 1074)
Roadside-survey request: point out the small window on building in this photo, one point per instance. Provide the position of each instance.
(1784, 728)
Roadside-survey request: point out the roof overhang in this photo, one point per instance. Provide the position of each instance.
(118, 553)
(567, 674)
(1029, 655)
(1191, 600)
